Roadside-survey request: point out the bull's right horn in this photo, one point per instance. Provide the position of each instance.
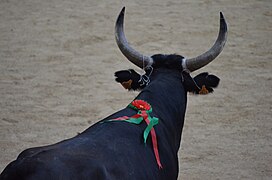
(207, 57)
(131, 54)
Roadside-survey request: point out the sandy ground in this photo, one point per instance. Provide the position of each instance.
(57, 60)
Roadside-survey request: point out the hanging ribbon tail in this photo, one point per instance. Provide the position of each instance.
(143, 114)
(150, 123)
(155, 147)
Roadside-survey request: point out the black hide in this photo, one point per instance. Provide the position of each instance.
(115, 150)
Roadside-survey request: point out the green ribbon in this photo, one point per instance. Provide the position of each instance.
(137, 119)
(150, 121)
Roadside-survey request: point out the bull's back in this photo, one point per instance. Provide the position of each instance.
(111, 150)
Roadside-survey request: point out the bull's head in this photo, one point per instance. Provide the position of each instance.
(202, 83)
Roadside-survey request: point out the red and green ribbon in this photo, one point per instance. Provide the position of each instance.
(144, 109)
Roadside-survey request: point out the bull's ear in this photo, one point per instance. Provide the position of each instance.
(206, 82)
(200, 84)
(129, 79)
(207, 79)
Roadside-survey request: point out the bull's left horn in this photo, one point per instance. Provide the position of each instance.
(131, 54)
(207, 57)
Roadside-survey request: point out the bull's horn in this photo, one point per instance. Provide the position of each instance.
(207, 57)
(131, 54)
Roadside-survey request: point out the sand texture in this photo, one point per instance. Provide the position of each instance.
(57, 60)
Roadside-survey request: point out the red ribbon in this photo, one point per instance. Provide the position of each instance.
(154, 139)
(137, 119)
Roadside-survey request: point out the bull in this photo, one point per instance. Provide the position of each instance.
(113, 148)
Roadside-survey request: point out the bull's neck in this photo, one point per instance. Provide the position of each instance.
(168, 99)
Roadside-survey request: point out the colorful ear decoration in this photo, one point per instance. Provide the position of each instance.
(203, 90)
(127, 84)
(201, 84)
(207, 82)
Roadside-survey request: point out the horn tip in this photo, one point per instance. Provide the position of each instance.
(222, 16)
(223, 21)
(123, 10)
(120, 19)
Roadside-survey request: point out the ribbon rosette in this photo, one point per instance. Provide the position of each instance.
(144, 109)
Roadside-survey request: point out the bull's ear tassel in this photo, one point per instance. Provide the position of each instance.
(203, 90)
(127, 84)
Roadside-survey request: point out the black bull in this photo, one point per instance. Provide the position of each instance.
(115, 149)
